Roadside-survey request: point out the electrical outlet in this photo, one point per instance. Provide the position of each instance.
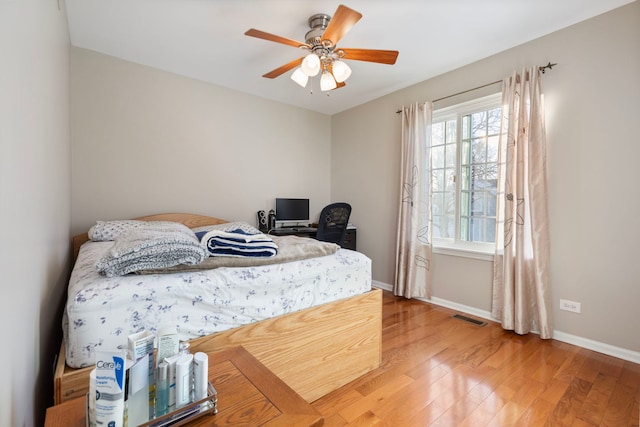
(570, 306)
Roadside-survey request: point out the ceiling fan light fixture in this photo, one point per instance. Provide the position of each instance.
(300, 77)
(311, 65)
(327, 82)
(341, 71)
(322, 53)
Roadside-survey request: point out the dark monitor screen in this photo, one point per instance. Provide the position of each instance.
(292, 209)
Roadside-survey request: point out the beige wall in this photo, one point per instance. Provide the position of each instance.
(592, 100)
(146, 141)
(34, 202)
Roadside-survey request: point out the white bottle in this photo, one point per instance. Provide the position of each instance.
(162, 389)
(171, 377)
(110, 385)
(184, 380)
(200, 375)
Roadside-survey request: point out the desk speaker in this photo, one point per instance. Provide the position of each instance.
(262, 221)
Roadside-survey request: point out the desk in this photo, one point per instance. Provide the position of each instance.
(349, 238)
(248, 394)
(294, 231)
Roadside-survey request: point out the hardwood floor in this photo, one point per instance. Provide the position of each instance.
(440, 371)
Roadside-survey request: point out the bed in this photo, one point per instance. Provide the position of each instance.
(315, 349)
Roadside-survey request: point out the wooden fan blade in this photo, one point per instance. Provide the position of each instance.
(343, 20)
(371, 55)
(281, 70)
(273, 38)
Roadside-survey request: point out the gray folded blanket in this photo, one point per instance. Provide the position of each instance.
(155, 246)
(290, 248)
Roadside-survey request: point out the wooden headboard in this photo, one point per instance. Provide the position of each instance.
(190, 220)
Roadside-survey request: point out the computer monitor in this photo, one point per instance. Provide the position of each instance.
(292, 210)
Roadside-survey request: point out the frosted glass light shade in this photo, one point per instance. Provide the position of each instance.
(327, 82)
(341, 71)
(311, 65)
(300, 77)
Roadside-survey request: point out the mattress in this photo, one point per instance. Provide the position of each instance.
(101, 312)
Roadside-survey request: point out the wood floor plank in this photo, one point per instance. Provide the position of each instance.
(528, 393)
(415, 396)
(375, 398)
(457, 412)
(536, 414)
(434, 410)
(336, 401)
(630, 374)
(572, 366)
(487, 410)
(508, 415)
(506, 351)
(554, 391)
(634, 419)
(620, 406)
(368, 419)
(597, 400)
(440, 371)
(334, 420)
(591, 367)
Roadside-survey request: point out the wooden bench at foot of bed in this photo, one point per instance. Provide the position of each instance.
(314, 351)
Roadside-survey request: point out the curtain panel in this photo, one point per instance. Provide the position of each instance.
(521, 289)
(413, 245)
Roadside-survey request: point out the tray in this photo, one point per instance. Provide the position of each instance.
(190, 412)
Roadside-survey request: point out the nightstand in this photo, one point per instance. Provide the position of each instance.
(248, 394)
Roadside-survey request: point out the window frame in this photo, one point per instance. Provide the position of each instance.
(455, 246)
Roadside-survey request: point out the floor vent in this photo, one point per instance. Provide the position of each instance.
(469, 319)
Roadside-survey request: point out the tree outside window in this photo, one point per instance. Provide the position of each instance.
(464, 167)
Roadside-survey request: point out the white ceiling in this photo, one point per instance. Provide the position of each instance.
(204, 39)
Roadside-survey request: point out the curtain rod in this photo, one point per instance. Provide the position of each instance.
(542, 68)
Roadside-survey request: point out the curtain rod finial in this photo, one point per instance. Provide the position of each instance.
(550, 66)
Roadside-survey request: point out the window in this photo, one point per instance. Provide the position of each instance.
(464, 167)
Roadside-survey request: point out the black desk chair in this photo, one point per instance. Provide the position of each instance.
(332, 224)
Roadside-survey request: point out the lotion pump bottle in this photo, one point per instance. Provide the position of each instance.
(162, 389)
(184, 347)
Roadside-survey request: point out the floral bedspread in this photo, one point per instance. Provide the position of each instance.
(102, 311)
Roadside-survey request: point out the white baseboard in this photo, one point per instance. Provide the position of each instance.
(610, 350)
(600, 347)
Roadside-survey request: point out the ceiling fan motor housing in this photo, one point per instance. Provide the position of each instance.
(318, 23)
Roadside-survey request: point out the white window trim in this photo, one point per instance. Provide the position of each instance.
(481, 251)
(474, 250)
(467, 107)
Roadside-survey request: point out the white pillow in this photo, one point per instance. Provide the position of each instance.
(228, 227)
(105, 231)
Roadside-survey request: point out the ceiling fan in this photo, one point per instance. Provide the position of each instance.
(324, 55)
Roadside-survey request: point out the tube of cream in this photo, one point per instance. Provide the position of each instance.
(171, 361)
(184, 379)
(200, 375)
(110, 377)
